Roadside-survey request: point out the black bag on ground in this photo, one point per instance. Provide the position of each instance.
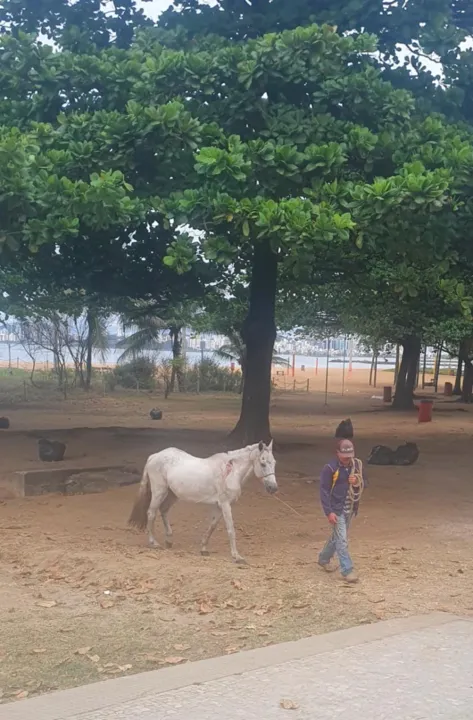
(406, 454)
(381, 455)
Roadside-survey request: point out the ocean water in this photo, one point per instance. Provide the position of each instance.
(18, 357)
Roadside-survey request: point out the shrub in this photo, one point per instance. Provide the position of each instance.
(139, 373)
(209, 376)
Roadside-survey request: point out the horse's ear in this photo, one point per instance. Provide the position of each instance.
(261, 446)
(270, 446)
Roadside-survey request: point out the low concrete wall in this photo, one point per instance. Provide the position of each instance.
(25, 483)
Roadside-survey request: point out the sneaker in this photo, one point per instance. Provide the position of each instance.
(327, 567)
(351, 578)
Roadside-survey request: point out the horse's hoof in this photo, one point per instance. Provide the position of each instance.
(154, 545)
(168, 545)
(205, 553)
(240, 561)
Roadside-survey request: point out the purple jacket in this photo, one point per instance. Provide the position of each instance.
(333, 496)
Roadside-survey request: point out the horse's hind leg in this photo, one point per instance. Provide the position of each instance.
(216, 517)
(157, 499)
(166, 505)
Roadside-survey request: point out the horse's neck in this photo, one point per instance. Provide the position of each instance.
(242, 464)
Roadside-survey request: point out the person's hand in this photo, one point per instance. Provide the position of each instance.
(333, 519)
(353, 480)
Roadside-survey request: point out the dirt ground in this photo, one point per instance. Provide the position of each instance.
(83, 598)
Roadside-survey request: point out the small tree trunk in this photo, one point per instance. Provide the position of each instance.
(457, 390)
(90, 346)
(33, 368)
(372, 369)
(176, 373)
(467, 388)
(404, 396)
(437, 369)
(259, 335)
(242, 363)
(424, 366)
(396, 369)
(375, 369)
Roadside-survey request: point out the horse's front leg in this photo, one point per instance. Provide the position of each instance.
(228, 520)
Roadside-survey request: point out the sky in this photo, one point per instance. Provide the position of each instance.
(155, 7)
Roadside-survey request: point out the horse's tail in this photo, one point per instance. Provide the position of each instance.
(139, 513)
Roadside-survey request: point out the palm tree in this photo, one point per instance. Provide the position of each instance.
(235, 351)
(97, 339)
(148, 322)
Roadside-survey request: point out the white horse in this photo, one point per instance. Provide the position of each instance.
(173, 474)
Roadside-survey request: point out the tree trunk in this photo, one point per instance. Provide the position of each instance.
(396, 369)
(90, 346)
(437, 369)
(259, 335)
(457, 390)
(371, 369)
(424, 366)
(404, 395)
(176, 373)
(242, 363)
(467, 388)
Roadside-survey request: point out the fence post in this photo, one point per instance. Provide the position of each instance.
(294, 386)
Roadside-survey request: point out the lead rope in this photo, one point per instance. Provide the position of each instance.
(356, 491)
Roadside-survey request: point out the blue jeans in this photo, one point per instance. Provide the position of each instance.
(338, 543)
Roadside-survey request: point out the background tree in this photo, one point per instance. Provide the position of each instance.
(148, 322)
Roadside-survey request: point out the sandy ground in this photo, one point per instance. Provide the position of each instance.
(82, 598)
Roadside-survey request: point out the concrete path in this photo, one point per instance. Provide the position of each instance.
(411, 669)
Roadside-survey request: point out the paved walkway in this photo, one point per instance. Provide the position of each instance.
(412, 669)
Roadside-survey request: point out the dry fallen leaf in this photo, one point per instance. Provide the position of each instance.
(262, 611)
(83, 651)
(93, 658)
(153, 659)
(205, 609)
(22, 694)
(39, 651)
(46, 603)
(182, 648)
(175, 660)
(105, 604)
(230, 604)
(237, 584)
(300, 605)
(288, 705)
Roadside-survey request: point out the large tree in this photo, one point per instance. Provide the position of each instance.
(262, 153)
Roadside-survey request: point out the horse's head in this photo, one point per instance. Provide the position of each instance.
(264, 466)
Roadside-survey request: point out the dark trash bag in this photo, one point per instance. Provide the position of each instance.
(51, 450)
(381, 455)
(406, 454)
